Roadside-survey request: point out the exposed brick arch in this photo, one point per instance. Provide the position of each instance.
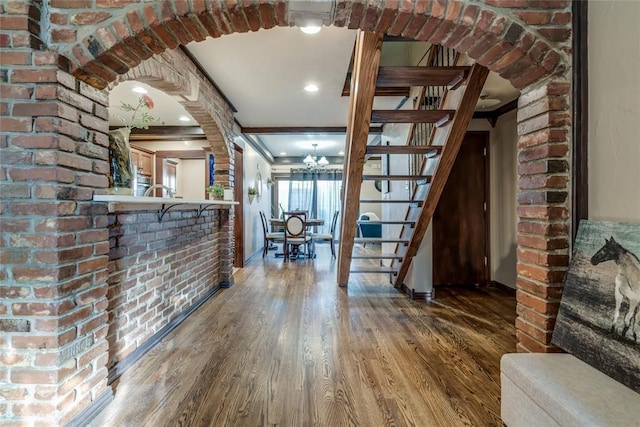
(521, 44)
(173, 73)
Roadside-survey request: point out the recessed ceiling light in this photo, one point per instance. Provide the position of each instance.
(184, 119)
(341, 153)
(283, 153)
(311, 88)
(310, 29)
(139, 89)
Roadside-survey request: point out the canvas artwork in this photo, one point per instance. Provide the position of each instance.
(598, 321)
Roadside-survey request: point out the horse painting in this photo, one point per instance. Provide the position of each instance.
(627, 281)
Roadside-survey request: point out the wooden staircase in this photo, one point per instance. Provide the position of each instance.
(449, 121)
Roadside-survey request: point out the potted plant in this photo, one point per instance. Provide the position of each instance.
(252, 192)
(216, 191)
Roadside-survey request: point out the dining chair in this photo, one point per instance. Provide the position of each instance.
(295, 233)
(268, 237)
(328, 237)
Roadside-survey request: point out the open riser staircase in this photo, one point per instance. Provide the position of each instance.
(446, 89)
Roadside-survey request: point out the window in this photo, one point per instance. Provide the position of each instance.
(317, 192)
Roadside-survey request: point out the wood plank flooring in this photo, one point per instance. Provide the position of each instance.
(286, 346)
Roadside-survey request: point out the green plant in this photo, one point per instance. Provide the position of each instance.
(142, 122)
(252, 191)
(216, 190)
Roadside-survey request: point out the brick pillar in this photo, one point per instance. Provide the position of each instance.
(54, 240)
(543, 210)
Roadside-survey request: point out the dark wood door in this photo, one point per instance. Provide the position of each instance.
(238, 227)
(460, 236)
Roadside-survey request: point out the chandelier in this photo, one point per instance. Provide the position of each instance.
(312, 160)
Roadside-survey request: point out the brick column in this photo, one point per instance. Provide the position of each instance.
(54, 240)
(543, 210)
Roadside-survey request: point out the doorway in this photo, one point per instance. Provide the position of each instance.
(460, 221)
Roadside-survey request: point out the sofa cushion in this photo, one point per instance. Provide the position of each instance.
(566, 389)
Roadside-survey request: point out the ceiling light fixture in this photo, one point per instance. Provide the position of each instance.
(312, 161)
(311, 26)
(486, 101)
(310, 29)
(139, 89)
(311, 88)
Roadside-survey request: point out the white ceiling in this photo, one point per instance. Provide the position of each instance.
(263, 74)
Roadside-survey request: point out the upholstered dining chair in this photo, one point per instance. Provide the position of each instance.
(295, 233)
(269, 237)
(328, 237)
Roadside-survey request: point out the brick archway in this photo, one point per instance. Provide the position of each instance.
(173, 73)
(54, 137)
(527, 43)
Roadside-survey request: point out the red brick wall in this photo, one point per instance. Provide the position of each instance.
(54, 245)
(158, 270)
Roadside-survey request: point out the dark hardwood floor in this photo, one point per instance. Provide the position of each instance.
(286, 346)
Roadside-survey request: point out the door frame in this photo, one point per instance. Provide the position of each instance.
(238, 217)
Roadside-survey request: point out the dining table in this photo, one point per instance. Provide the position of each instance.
(310, 222)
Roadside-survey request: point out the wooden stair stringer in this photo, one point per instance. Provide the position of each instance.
(363, 85)
(450, 136)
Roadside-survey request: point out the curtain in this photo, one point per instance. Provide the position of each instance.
(315, 191)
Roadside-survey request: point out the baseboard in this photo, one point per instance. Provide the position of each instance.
(411, 293)
(121, 367)
(502, 286)
(84, 417)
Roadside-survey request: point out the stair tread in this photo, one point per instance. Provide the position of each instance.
(378, 256)
(398, 76)
(389, 201)
(411, 116)
(379, 240)
(373, 270)
(403, 149)
(375, 221)
(426, 178)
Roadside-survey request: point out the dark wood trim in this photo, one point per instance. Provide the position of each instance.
(403, 149)
(238, 218)
(493, 116)
(487, 201)
(84, 417)
(302, 129)
(121, 367)
(206, 75)
(181, 154)
(580, 119)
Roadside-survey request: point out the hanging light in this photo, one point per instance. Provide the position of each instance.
(312, 159)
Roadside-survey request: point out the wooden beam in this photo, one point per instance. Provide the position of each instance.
(302, 129)
(404, 149)
(180, 154)
(366, 63)
(421, 76)
(410, 116)
(456, 129)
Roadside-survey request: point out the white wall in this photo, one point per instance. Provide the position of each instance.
(253, 237)
(614, 111)
(190, 178)
(503, 221)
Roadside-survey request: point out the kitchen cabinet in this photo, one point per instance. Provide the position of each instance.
(142, 160)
